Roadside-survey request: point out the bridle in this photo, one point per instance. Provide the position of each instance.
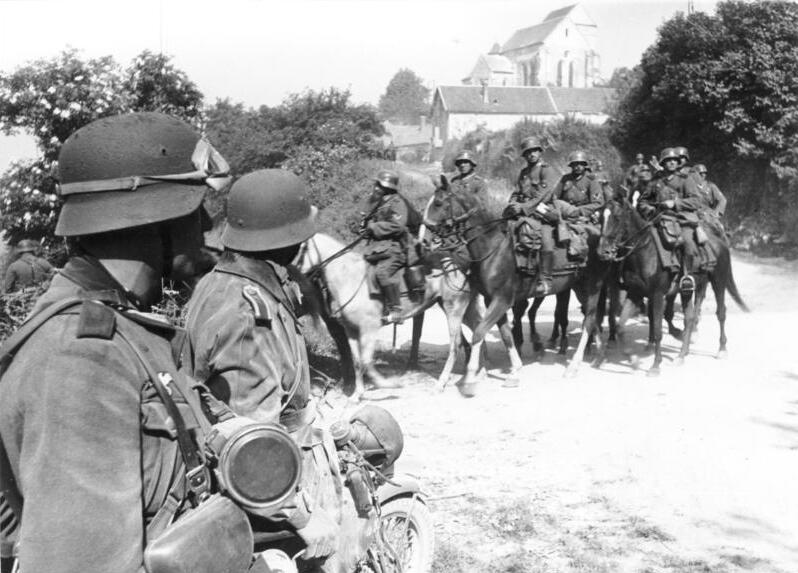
(635, 240)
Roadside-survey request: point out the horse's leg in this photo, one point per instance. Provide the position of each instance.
(628, 309)
(454, 320)
(689, 302)
(615, 307)
(589, 327)
(561, 318)
(670, 304)
(349, 371)
(656, 303)
(357, 362)
(700, 296)
(719, 288)
(418, 326)
(519, 308)
(368, 343)
(511, 380)
(496, 310)
(537, 345)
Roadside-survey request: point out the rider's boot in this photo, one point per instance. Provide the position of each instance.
(545, 276)
(687, 282)
(392, 304)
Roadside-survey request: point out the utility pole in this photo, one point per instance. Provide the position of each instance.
(690, 7)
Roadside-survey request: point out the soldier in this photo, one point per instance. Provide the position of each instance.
(684, 163)
(246, 339)
(467, 180)
(90, 457)
(633, 173)
(713, 198)
(582, 193)
(28, 270)
(595, 170)
(385, 228)
(643, 179)
(671, 192)
(530, 205)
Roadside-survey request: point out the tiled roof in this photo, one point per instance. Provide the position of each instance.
(468, 99)
(536, 34)
(559, 13)
(585, 100)
(524, 100)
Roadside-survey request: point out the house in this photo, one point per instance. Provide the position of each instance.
(456, 110)
(408, 142)
(560, 51)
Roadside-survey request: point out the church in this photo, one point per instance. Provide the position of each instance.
(542, 73)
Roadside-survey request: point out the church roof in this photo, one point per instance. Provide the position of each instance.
(499, 64)
(523, 100)
(536, 34)
(559, 13)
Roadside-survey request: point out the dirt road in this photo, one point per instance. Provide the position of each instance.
(696, 470)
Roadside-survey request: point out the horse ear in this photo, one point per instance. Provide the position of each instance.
(444, 182)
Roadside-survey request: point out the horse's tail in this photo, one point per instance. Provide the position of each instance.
(731, 286)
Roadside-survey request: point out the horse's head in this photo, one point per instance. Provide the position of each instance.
(616, 226)
(448, 210)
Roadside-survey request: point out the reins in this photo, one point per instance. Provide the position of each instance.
(635, 239)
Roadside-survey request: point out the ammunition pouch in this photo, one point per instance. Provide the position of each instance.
(670, 232)
(528, 233)
(215, 536)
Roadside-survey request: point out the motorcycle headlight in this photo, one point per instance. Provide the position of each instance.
(258, 465)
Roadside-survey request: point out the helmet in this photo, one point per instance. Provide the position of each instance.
(530, 143)
(577, 157)
(464, 156)
(268, 209)
(681, 152)
(133, 169)
(27, 246)
(699, 168)
(668, 153)
(388, 179)
(639, 156)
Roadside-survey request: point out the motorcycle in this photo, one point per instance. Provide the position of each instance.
(387, 526)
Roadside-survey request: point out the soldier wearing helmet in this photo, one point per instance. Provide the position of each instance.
(529, 205)
(466, 180)
(672, 194)
(94, 467)
(633, 173)
(384, 226)
(246, 337)
(581, 192)
(28, 269)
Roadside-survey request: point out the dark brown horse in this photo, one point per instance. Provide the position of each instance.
(493, 273)
(629, 239)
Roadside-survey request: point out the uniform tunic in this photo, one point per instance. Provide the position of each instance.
(712, 197)
(88, 439)
(582, 193)
(27, 270)
(386, 222)
(534, 182)
(468, 184)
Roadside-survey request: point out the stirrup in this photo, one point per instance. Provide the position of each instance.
(687, 283)
(392, 318)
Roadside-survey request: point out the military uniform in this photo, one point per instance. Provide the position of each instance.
(249, 350)
(28, 270)
(532, 188)
(89, 442)
(712, 197)
(386, 248)
(633, 175)
(469, 184)
(681, 189)
(583, 195)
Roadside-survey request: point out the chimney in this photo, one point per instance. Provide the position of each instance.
(485, 99)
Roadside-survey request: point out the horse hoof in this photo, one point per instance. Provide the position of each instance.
(570, 373)
(653, 373)
(440, 386)
(596, 364)
(679, 361)
(552, 343)
(468, 390)
(676, 333)
(634, 361)
(562, 351)
(511, 382)
(538, 347)
(722, 354)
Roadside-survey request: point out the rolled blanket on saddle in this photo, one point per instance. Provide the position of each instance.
(676, 228)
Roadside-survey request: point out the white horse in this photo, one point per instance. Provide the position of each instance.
(353, 314)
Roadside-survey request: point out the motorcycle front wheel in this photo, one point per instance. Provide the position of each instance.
(407, 526)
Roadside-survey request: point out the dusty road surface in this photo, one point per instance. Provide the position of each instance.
(693, 471)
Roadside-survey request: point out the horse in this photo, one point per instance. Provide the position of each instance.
(559, 330)
(492, 267)
(643, 276)
(354, 318)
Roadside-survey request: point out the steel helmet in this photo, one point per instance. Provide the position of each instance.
(700, 168)
(577, 157)
(27, 246)
(529, 143)
(668, 153)
(681, 152)
(388, 179)
(268, 209)
(133, 169)
(465, 156)
(639, 156)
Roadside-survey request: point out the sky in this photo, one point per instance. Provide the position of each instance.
(259, 51)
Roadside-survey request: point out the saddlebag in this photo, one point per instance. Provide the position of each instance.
(670, 232)
(215, 536)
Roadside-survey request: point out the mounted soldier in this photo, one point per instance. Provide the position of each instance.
(674, 200)
(386, 229)
(714, 200)
(530, 206)
(595, 170)
(466, 180)
(633, 173)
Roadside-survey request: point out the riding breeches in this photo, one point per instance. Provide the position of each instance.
(533, 234)
(388, 270)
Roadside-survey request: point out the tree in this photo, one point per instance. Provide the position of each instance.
(405, 98)
(51, 99)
